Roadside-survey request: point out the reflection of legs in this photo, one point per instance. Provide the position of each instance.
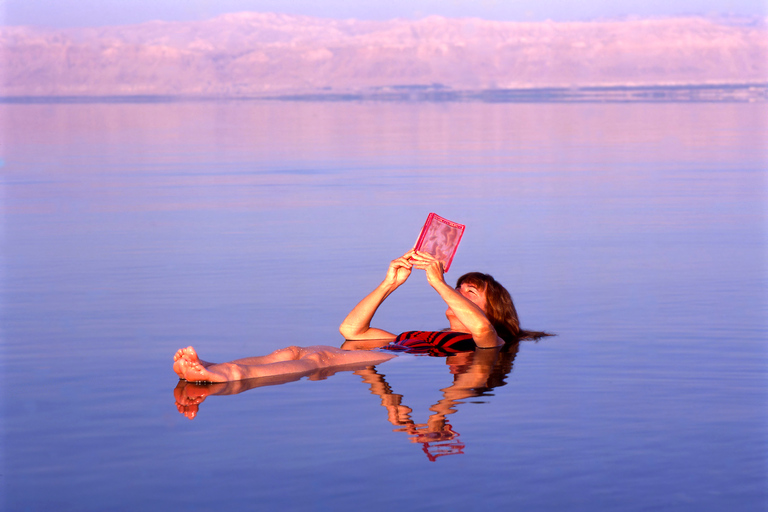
(288, 360)
(189, 396)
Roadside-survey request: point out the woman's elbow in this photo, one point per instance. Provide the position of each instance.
(346, 331)
(349, 332)
(486, 337)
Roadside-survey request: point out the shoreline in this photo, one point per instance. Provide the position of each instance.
(686, 93)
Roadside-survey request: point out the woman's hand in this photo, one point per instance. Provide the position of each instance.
(432, 266)
(400, 269)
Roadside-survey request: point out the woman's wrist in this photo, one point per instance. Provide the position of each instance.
(442, 287)
(388, 286)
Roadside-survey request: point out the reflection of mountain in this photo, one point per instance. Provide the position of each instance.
(258, 54)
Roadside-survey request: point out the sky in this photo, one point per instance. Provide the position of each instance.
(80, 13)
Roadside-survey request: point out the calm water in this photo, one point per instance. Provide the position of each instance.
(636, 232)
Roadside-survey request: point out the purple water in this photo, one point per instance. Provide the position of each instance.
(637, 233)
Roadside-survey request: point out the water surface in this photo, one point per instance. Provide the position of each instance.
(637, 233)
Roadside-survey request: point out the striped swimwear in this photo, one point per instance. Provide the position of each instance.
(432, 342)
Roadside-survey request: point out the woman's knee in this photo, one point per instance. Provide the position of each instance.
(288, 353)
(319, 356)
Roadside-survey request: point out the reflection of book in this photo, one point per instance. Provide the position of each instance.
(440, 237)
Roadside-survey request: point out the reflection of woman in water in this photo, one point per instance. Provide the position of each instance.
(474, 374)
(480, 345)
(480, 311)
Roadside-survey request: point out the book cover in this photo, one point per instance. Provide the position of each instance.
(440, 237)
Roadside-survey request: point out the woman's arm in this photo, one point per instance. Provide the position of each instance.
(357, 325)
(471, 316)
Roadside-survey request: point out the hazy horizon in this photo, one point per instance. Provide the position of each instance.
(250, 54)
(95, 13)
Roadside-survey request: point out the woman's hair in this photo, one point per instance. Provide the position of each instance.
(499, 308)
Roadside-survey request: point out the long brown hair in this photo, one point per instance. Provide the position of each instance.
(499, 308)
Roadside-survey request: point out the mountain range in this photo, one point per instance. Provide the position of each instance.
(267, 54)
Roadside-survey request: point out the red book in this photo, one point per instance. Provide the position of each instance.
(440, 237)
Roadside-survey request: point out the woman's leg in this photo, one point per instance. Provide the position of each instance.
(325, 356)
(289, 360)
(283, 354)
(188, 365)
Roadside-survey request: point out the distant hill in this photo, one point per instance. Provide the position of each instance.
(258, 54)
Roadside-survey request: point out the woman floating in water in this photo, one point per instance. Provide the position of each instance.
(480, 311)
(480, 314)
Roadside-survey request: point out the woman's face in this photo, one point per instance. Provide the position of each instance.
(474, 295)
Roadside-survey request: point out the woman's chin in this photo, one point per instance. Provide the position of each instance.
(454, 322)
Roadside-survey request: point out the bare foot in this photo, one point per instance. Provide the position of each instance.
(190, 367)
(177, 363)
(179, 357)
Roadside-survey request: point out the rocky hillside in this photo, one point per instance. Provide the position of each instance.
(272, 54)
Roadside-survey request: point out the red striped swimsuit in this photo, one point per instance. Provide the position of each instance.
(432, 342)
